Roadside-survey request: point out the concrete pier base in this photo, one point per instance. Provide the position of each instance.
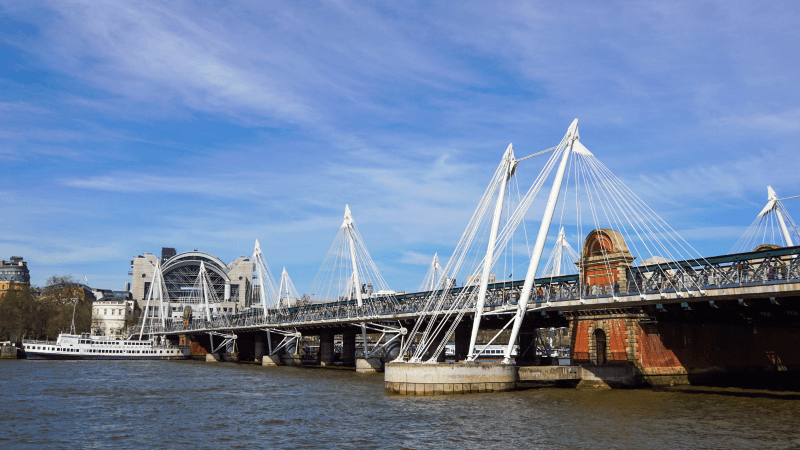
(449, 378)
(271, 360)
(326, 351)
(349, 347)
(8, 352)
(607, 376)
(212, 357)
(291, 360)
(621, 376)
(258, 347)
(369, 365)
(230, 357)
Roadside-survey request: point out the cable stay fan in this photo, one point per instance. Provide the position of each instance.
(772, 227)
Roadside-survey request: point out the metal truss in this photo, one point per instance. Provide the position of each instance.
(289, 337)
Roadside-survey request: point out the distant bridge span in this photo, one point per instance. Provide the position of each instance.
(773, 274)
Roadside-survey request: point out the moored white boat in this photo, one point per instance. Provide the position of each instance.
(86, 346)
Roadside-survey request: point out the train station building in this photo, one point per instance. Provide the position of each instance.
(232, 283)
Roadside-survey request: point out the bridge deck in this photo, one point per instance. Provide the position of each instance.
(770, 289)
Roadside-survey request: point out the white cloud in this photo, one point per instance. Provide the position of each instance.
(403, 113)
(416, 258)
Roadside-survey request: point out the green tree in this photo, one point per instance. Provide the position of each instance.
(62, 299)
(18, 314)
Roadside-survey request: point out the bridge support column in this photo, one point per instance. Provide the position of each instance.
(527, 348)
(462, 336)
(436, 342)
(258, 347)
(326, 351)
(349, 347)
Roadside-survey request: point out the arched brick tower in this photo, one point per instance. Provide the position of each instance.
(605, 260)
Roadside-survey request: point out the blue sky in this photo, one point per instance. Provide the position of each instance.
(128, 126)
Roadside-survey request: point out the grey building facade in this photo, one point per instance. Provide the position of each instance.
(232, 283)
(15, 269)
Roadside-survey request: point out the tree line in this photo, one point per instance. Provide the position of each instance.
(44, 313)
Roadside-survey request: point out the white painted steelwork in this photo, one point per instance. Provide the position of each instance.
(509, 166)
(572, 136)
(763, 229)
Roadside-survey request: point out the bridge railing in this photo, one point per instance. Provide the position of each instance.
(743, 269)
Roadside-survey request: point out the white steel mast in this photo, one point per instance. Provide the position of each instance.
(347, 225)
(510, 164)
(572, 136)
(773, 205)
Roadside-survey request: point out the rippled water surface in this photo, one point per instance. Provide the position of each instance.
(186, 404)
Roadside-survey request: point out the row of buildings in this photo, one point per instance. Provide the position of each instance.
(114, 313)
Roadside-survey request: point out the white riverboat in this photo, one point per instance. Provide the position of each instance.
(86, 346)
(492, 352)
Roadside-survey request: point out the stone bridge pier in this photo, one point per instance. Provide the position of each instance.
(754, 341)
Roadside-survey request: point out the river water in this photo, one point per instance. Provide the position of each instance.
(188, 404)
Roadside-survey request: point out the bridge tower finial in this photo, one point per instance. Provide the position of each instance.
(348, 217)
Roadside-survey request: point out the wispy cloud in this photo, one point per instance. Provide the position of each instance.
(210, 125)
(410, 257)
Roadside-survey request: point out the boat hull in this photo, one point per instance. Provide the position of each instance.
(54, 356)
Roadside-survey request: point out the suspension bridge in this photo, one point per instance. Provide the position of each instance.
(642, 306)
